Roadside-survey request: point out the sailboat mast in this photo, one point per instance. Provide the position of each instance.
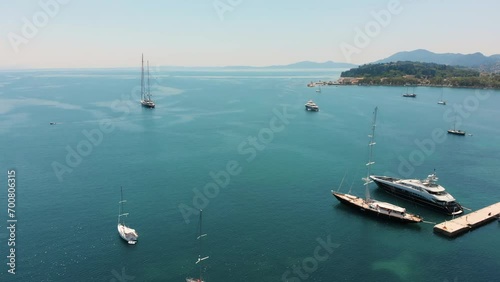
(120, 204)
(142, 78)
(370, 154)
(149, 85)
(199, 238)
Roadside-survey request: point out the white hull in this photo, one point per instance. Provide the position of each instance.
(311, 106)
(128, 234)
(194, 280)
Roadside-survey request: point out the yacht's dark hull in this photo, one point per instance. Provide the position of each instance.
(456, 132)
(148, 105)
(369, 211)
(404, 194)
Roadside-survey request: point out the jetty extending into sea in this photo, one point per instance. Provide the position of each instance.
(465, 223)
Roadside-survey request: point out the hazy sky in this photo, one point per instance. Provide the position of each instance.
(114, 33)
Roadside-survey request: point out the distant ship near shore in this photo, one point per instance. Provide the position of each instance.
(311, 106)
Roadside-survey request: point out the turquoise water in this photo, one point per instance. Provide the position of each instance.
(277, 205)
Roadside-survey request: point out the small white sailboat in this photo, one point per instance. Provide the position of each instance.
(200, 258)
(128, 234)
(319, 89)
(441, 101)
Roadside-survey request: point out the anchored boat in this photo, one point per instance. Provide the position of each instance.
(371, 206)
(146, 92)
(311, 106)
(128, 234)
(200, 258)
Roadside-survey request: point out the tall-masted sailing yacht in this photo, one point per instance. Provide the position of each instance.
(456, 131)
(146, 93)
(200, 259)
(369, 205)
(128, 234)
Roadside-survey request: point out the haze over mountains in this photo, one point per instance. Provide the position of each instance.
(303, 65)
(476, 60)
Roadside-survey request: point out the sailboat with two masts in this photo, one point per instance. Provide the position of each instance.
(200, 258)
(146, 92)
(372, 206)
(128, 234)
(408, 94)
(456, 131)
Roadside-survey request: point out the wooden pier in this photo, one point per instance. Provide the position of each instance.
(465, 223)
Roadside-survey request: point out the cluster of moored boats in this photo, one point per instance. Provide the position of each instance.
(423, 192)
(311, 106)
(453, 131)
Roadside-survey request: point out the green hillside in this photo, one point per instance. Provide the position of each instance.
(414, 73)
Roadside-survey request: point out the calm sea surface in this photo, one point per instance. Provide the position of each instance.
(274, 219)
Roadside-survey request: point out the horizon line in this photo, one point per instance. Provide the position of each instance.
(178, 66)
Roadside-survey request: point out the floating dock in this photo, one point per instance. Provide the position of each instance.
(465, 223)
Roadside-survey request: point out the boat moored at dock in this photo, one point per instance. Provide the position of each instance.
(424, 192)
(377, 208)
(370, 205)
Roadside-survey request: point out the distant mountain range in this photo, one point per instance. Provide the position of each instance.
(476, 61)
(302, 65)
